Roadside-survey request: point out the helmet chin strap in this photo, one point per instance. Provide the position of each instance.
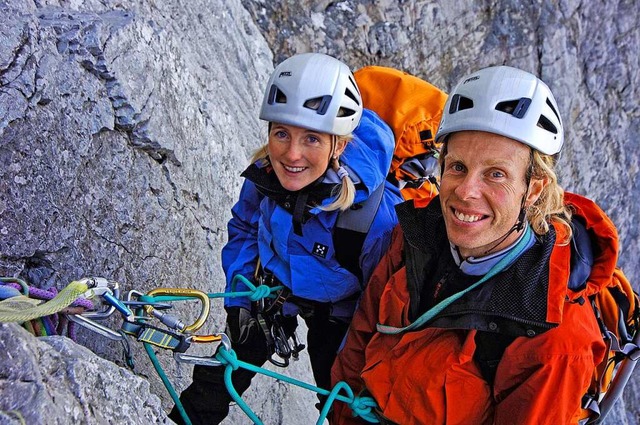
(517, 227)
(332, 158)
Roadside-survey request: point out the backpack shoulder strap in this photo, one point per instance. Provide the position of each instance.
(360, 216)
(352, 228)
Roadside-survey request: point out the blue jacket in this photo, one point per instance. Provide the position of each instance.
(262, 225)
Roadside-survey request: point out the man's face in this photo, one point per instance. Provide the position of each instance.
(481, 191)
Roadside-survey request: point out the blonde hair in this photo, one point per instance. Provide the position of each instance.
(345, 192)
(549, 207)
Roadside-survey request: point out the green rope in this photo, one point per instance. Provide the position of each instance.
(21, 309)
(24, 310)
(16, 414)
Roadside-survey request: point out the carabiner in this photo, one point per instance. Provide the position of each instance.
(205, 361)
(183, 292)
(99, 286)
(82, 320)
(204, 339)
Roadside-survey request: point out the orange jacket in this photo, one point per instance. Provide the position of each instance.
(429, 376)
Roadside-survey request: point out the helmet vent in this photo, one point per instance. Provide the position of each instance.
(351, 96)
(460, 103)
(546, 124)
(345, 112)
(354, 85)
(276, 95)
(518, 107)
(318, 104)
(550, 104)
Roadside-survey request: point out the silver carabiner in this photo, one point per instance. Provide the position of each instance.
(98, 286)
(204, 361)
(95, 327)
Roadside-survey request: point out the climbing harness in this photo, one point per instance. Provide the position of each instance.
(279, 331)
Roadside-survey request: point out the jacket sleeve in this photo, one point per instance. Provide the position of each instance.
(351, 357)
(541, 380)
(240, 254)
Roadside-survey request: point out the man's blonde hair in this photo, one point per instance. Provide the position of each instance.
(550, 206)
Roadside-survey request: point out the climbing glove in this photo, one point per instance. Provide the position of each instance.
(241, 325)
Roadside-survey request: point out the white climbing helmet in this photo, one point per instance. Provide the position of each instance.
(314, 91)
(505, 101)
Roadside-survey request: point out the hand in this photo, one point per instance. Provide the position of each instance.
(241, 326)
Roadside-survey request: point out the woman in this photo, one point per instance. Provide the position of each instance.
(479, 312)
(324, 155)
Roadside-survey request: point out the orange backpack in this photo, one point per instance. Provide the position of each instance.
(618, 314)
(412, 108)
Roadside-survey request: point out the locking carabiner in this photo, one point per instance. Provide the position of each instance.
(171, 321)
(109, 290)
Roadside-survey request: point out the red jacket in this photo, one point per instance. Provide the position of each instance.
(429, 376)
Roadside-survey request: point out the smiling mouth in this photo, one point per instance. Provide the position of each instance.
(467, 218)
(293, 169)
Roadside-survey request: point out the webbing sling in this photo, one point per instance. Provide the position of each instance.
(435, 310)
(156, 336)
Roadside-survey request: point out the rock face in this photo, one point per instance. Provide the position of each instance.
(124, 126)
(52, 380)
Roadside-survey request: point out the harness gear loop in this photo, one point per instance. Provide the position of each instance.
(280, 336)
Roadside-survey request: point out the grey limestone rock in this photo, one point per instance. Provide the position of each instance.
(124, 126)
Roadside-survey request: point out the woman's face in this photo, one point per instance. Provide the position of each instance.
(300, 156)
(483, 183)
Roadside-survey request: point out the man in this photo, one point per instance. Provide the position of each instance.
(478, 313)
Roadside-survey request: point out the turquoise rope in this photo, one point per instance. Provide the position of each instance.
(431, 313)
(165, 381)
(361, 406)
(254, 293)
